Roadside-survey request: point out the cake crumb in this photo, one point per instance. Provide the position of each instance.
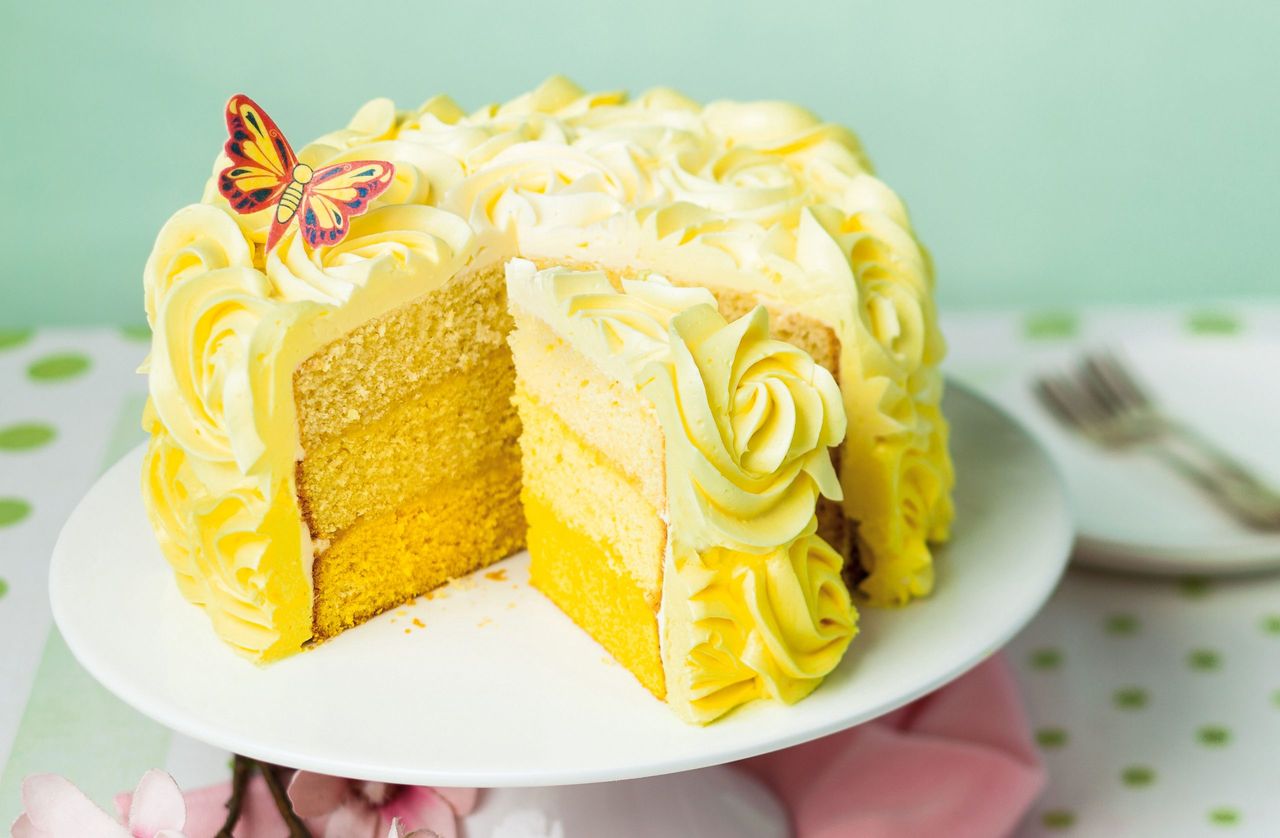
(485, 622)
(406, 631)
(419, 623)
(499, 575)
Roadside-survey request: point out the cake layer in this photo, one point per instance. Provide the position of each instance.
(445, 532)
(586, 489)
(387, 360)
(436, 434)
(599, 410)
(581, 575)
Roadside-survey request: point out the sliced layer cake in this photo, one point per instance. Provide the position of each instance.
(672, 462)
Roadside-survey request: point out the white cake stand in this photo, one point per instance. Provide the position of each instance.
(498, 687)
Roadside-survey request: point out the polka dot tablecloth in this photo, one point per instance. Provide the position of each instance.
(1156, 702)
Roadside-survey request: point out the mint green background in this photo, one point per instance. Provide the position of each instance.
(1051, 152)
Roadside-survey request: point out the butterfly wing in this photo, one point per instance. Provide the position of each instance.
(338, 192)
(262, 160)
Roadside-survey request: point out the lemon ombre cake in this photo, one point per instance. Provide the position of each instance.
(672, 463)
(331, 417)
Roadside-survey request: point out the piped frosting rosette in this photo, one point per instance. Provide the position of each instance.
(754, 604)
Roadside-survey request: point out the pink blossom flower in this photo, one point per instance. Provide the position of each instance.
(397, 831)
(358, 808)
(54, 808)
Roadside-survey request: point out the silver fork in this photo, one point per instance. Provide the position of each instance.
(1104, 402)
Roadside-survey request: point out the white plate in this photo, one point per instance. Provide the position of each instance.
(500, 688)
(1132, 513)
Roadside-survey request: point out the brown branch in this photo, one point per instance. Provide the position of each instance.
(297, 829)
(240, 770)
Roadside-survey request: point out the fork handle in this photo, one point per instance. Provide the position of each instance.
(1228, 482)
(1231, 469)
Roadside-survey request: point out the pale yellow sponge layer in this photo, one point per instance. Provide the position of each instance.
(590, 494)
(385, 361)
(600, 411)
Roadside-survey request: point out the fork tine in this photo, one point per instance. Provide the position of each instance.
(1050, 401)
(1115, 375)
(1069, 403)
(1092, 377)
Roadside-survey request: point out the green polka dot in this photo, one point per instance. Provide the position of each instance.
(140, 333)
(13, 510)
(58, 367)
(1138, 776)
(1058, 819)
(1050, 325)
(1213, 736)
(1122, 625)
(1130, 698)
(9, 338)
(1193, 587)
(1045, 659)
(1275, 698)
(1051, 737)
(4, 588)
(1224, 816)
(1204, 660)
(1271, 624)
(25, 436)
(1209, 322)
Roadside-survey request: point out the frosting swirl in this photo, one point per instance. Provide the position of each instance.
(752, 419)
(396, 251)
(213, 329)
(771, 625)
(622, 332)
(195, 240)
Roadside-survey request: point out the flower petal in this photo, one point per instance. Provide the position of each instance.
(352, 821)
(313, 795)
(57, 809)
(463, 801)
(422, 808)
(157, 806)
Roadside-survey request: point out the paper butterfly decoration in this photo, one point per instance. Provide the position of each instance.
(265, 172)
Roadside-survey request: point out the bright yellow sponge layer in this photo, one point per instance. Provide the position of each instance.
(583, 577)
(446, 532)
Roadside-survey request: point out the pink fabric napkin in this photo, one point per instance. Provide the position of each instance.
(958, 762)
